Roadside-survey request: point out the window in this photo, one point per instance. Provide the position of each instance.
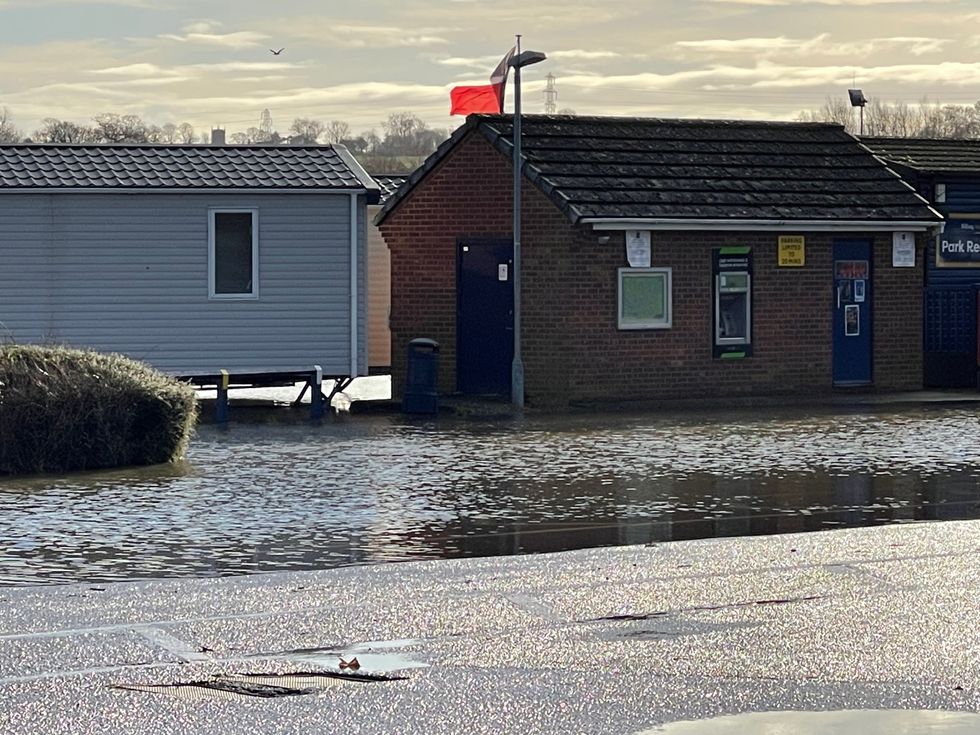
(644, 298)
(732, 302)
(233, 254)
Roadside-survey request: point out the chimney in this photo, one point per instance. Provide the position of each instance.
(217, 136)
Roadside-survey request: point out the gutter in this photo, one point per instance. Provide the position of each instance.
(607, 223)
(179, 190)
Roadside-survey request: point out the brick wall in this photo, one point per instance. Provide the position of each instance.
(571, 345)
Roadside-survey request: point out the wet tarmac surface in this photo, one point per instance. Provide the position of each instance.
(364, 490)
(856, 722)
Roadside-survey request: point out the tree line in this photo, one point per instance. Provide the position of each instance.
(404, 138)
(900, 119)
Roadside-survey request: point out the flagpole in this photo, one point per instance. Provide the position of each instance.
(517, 367)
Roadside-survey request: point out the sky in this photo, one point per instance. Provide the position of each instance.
(209, 63)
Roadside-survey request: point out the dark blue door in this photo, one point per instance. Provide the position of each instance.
(485, 324)
(852, 312)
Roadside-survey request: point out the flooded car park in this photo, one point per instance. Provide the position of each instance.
(372, 489)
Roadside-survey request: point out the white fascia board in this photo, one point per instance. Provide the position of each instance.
(764, 225)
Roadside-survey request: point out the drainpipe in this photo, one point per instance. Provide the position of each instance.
(353, 286)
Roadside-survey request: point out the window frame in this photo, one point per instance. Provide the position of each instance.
(254, 293)
(667, 322)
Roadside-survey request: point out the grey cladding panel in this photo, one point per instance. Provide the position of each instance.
(130, 274)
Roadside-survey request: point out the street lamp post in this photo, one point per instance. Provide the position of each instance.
(518, 61)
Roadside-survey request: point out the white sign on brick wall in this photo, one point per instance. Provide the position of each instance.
(903, 250)
(638, 248)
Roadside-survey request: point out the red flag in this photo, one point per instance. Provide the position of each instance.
(484, 97)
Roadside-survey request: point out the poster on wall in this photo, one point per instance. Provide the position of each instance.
(852, 320)
(903, 250)
(638, 248)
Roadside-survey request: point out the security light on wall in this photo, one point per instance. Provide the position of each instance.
(858, 100)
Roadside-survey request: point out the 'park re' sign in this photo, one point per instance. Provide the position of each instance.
(958, 245)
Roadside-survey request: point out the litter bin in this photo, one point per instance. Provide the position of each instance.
(422, 377)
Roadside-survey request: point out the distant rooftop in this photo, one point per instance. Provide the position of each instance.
(934, 155)
(180, 167)
(619, 168)
(389, 183)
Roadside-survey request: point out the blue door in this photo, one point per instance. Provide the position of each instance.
(852, 312)
(485, 317)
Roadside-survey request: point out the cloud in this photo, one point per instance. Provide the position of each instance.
(205, 25)
(841, 3)
(489, 61)
(258, 66)
(767, 75)
(47, 3)
(141, 69)
(718, 46)
(473, 62)
(583, 54)
(328, 31)
(236, 40)
(818, 45)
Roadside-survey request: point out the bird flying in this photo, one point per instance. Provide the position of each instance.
(276, 53)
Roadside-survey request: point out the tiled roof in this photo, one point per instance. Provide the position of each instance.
(183, 167)
(929, 154)
(654, 169)
(389, 183)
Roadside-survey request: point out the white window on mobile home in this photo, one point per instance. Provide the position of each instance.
(233, 253)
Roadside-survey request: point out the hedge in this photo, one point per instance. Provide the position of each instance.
(65, 409)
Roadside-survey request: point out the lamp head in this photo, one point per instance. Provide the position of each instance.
(526, 58)
(857, 98)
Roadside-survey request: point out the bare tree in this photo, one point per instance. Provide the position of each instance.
(901, 120)
(406, 134)
(306, 130)
(256, 136)
(8, 133)
(53, 130)
(113, 128)
(836, 110)
(336, 131)
(185, 133)
(402, 125)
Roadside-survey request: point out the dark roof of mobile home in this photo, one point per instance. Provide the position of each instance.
(181, 168)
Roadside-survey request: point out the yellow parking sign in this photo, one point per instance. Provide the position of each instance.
(792, 251)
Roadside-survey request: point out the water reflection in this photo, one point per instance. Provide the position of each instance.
(366, 490)
(844, 722)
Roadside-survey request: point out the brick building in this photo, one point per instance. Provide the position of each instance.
(660, 259)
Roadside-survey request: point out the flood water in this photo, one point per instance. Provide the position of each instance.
(360, 490)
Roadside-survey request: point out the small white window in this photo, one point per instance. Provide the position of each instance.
(233, 253)
(644, 298)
